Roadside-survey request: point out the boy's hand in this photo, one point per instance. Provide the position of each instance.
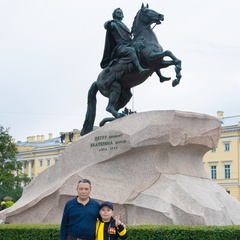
(118, 221)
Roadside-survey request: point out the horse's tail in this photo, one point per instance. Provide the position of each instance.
(91, 110)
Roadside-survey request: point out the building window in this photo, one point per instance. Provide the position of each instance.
(213, 172)
(213, 150)
(227, 170)
(40, 163)
(48, 162)
(226, 147)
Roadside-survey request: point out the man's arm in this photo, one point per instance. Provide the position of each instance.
(109, 25)
(63, 228)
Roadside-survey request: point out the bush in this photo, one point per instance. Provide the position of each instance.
(143, 232)
(29, 231)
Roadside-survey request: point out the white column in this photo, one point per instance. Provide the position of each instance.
(22, 167)
(29, 168)
(22, 184)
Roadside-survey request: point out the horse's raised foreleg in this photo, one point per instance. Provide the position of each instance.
(167, 53)
(178, 68)
(161, 77)
(176, 62)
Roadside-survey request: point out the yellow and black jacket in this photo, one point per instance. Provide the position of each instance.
(109, 231)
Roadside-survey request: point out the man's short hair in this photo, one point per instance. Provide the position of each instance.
(84, 180)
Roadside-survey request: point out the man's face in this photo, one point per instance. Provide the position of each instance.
(83, 190)
(119, 14)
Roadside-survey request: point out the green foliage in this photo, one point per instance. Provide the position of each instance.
(144, 232)
(9, 204)
(16, 193)
(177, 232)
(11, 176)
(33, 231)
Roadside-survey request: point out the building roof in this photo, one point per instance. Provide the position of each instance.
(230, 121)
(46, 143)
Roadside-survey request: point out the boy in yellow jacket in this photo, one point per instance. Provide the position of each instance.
(108, 228)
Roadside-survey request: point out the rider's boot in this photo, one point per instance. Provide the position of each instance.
(137, 63)
(143, 70)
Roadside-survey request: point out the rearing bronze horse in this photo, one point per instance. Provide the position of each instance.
(151, 55)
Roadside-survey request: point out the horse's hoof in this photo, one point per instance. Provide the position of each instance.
(163, 79)
(120, 115)
(105, 120)
(175, 82)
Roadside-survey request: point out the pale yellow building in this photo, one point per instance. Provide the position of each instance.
(38, 153)
(223, 163)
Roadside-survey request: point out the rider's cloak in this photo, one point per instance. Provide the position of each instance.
(122, 36)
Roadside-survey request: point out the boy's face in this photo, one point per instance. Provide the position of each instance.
(106, 213)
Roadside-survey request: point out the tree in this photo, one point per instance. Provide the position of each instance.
(11, 176)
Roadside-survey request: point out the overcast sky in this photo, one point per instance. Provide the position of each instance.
(51, 50)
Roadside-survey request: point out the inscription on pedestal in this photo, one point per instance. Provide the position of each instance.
(108, 142)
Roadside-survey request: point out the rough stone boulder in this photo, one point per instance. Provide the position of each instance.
(148, 164)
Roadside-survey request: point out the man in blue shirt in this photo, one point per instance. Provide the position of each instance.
(80, 215)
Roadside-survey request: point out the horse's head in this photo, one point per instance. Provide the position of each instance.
(150, 16)
(145, 17)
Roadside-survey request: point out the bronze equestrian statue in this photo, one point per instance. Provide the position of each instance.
(121, 71)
